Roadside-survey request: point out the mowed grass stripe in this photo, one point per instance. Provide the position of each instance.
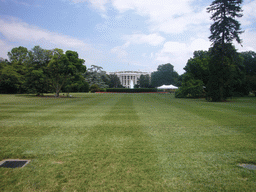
(127, 142)
(118, 154)
(198, 151)
(48, 130)
(57, 160)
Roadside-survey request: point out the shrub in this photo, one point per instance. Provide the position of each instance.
(94, 88)
(192, 88)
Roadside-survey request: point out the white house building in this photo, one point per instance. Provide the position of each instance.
(129, 78)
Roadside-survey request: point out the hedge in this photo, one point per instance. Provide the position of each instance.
(125, 90)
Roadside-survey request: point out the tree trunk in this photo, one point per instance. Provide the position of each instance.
(57, 91)
(221, 93)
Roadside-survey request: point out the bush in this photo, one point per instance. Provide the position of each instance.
(190, 89)
(103, 90)
(94, 88)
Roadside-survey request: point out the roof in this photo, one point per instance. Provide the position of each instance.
(167, 87)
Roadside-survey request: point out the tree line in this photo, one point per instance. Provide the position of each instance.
(200, 75)
(39, 71)
(221, 72)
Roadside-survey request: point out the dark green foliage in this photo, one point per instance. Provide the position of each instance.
(19, 59)
(136, 86)
(165, 75)
(251, 80)
(249, 61)
(125, 90)
(39, 71)
(37, 80)
(225, 28)
(94, 88)
(62, 67)
(10, 79)
(223, 56)
(95, 75)
(191, 88)
(114, 81)
(76, 84)
(198, 66)
(144, 81)
(225, 73)
(195, 77)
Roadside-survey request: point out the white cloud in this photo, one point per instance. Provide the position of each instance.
(154, 9)
(178, 53)
(16, 30)
(120, 51)
(151, 39)
(97, 4)
(169, 16)
(249, 13)
(4, 49)
(249, 41)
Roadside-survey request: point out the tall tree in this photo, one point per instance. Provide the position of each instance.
(10, 79)
(144, 81)
(64, 66)
(37, 80)
(95, 75)
(224, 29)
(165, 74)
(114, 81)
(19, 60)
(198, 66)
(250, 70)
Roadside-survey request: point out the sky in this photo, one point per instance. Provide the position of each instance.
(118, 35)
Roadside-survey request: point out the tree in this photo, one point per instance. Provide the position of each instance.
(76, 83)
(95, 75)
(144, 81)
(198, 66)
(63, 66)
(37, 80)
(165, 74)
(249, 61)
(19, 59)
(114, 81)
(223, 68)
(224, 29)
(39, 70)
(94, 88)
(10, 79)
(191, 87)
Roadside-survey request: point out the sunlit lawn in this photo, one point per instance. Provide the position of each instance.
(127, 142)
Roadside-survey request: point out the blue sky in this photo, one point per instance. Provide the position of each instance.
(117, 34)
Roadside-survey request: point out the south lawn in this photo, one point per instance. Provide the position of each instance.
(127, 142)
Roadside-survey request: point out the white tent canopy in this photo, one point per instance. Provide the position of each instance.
(167, 87)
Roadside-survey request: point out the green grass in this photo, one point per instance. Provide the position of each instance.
(127, 142)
